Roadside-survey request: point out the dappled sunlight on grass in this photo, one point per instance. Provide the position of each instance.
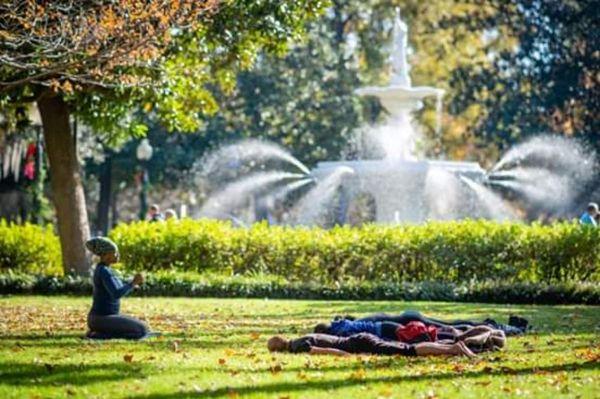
(216, 348)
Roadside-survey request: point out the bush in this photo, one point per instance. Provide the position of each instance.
(29, 248)
(437, 251)
(264, 286)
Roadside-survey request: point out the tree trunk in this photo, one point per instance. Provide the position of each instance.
(65, 179)
(115, 208)
(105, 193)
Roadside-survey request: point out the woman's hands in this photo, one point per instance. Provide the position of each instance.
(138, 280)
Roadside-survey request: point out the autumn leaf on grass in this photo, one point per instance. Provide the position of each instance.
(591, 356)
(229, 352)
(222, 361)
(359, 374)
(302, 375)
(128, 358)
(233, 394)
(254, 336)
(276, 368)
(458, 368)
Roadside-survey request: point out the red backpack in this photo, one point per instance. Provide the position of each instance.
(415, 332)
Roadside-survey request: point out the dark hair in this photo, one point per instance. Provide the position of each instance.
(322, 328)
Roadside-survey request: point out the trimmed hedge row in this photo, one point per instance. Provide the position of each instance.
(29, 248)
(273, 287)
(437, 251)
(442, 251)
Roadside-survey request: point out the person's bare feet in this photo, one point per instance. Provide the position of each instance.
(462, 349)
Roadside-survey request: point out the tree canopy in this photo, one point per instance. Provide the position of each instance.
(108, 58)
(110, 62)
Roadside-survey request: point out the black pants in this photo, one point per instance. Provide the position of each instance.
(411, 315)
(369, 343)
(117, 326)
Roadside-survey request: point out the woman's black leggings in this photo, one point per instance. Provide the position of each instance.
(117, 326)
(412, 315)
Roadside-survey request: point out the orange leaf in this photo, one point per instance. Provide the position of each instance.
(128, 358)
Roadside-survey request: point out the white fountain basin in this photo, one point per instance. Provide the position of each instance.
(395, 97)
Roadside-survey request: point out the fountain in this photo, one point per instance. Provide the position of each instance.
(404, 188)
(254, 180)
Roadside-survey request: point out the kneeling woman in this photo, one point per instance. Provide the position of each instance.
(104, 320)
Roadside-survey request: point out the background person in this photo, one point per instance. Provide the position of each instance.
(154, 214)
(589, 216)
(170, 214)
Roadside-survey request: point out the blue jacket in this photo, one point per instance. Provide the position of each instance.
(345, 328)
(587, 219)
(108, 289)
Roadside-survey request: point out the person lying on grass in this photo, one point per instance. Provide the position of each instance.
(516, 325)
(104, 320)
(415, 332)
(363, 343)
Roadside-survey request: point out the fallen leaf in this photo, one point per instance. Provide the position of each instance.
(222, 361)
(254, 336)
(359, 374)
(128, 358)
(276, 368)
(458, 368)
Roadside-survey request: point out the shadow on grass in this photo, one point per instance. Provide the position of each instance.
(286, 387)
(49, 374)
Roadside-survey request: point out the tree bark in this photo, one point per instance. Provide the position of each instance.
(105, 193)
(65, 179)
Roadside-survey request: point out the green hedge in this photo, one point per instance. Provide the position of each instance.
(276, 287)
(438, 251)
(455, 252)
(29, 248)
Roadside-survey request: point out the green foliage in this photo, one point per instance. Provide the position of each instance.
(449, 251)
(29, 248)
(165, 61)
(176, 284)
(456, 252)
(540, 77)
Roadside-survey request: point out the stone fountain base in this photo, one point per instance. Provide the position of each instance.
(398, 191)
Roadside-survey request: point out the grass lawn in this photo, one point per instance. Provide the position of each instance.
(215, 348)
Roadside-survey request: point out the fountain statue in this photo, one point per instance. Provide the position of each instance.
(398, 57)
